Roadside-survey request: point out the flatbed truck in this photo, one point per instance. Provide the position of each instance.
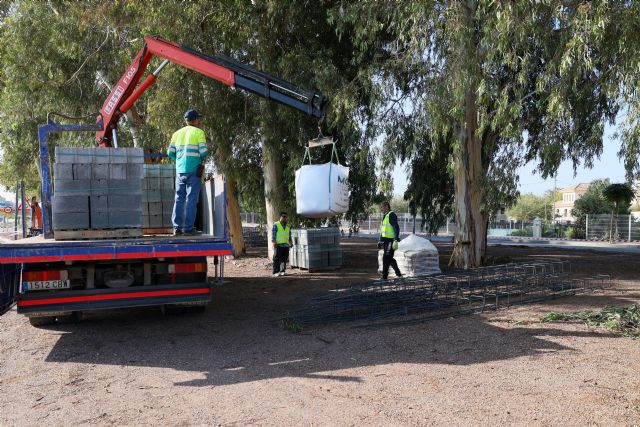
(48, 279)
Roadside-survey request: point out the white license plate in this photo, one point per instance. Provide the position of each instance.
(46, 284)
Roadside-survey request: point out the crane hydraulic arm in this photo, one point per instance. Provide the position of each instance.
(219, 67)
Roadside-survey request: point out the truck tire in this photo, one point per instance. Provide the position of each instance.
(42, 320)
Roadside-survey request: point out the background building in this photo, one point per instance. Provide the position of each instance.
(569, 196)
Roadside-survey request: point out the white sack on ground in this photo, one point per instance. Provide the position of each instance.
(322, 190)
(416, 256)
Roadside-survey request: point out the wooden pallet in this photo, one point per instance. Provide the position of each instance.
(157, 230)
(113, 233)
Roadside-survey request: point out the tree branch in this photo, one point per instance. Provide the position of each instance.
(87, 58)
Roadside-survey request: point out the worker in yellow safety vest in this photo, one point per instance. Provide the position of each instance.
(389, 238)
(281, 241)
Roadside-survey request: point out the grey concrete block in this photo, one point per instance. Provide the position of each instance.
(63, 171)
(168, 171)
(98, 203)
(65, 155)
(99, 155)
(167, 207)
(168, 194)
(117, 155)
(72, 187)
(99, 220)
(166, 221)
(135, 155)
(99, 187)
(145, 221)
(71, 221)
(84, 155)
(125, 187)
(125, 219)
(153, 196)
(135, 171)
(155, 221)
(100, 171)
(118, 171)
(69, 204)
(145, 208)
(168, 183)
(81, 171)
(155, 208)
(151, 171)
(153, 182)
(125, 203)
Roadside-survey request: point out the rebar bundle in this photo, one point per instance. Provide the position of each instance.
(430, 297)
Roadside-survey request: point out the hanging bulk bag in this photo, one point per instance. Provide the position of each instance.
(322, 190)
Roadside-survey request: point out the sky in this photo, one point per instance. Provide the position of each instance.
(608, 166)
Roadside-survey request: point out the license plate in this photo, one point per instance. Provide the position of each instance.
(45, 284)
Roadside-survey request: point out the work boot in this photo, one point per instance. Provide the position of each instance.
(193, 232)
(177, 232)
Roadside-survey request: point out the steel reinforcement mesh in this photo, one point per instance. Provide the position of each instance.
(418, 299)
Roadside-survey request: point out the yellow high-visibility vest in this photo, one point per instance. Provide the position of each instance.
(386, 230)
(283, 234)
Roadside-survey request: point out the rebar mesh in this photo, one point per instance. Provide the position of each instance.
(430, 297)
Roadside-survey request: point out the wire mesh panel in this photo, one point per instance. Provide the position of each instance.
(429, 297)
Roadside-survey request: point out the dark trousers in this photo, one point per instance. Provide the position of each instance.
(387, 258)
(280, 258)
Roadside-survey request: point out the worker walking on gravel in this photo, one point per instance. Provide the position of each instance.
(281, 241)
(389, 238)
(188, 148)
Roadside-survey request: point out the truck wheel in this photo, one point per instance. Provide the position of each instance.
(42, 320)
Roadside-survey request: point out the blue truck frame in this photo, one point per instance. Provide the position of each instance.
(42, 251)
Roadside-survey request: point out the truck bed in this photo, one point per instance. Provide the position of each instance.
(39, 249)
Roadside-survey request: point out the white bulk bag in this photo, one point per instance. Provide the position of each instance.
(322, 190)
(415, 256)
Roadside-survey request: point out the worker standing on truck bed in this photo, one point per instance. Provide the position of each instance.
(389, 238)
(281, 241)
(188, 148)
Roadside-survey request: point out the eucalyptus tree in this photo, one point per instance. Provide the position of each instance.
(499, 84)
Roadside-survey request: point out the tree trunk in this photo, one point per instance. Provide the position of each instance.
(272, 194)
(234, 219)
(471, 233)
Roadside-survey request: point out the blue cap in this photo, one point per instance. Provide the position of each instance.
(191, 115)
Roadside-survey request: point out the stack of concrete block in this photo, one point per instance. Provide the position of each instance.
(316, 248)
(158, 195)
(97, 188)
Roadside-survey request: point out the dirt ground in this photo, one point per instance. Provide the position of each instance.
(233, 365)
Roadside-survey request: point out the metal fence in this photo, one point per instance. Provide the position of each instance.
(596, 227)
(618, 227)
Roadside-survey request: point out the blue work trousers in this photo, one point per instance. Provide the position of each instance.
(184, 209)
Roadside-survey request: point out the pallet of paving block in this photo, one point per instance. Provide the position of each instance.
(95, 234)
(153, 231)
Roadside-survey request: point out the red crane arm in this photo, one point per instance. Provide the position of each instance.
(221, 68)
(124, 94)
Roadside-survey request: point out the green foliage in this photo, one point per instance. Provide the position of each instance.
(592, 202)
(524, 81)
(625, 321)
(570, 233)
(528, 207)
(620, 195)
(59, 64)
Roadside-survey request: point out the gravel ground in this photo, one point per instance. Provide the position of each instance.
(233, 365)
